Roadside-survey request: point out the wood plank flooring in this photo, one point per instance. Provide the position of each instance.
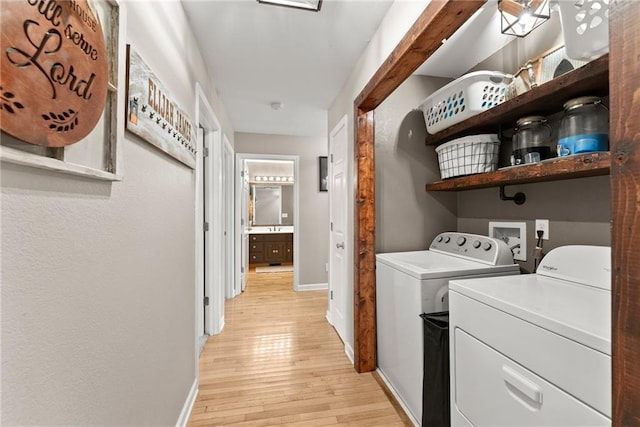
(279, 362)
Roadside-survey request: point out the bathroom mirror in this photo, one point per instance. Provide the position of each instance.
(271, 204)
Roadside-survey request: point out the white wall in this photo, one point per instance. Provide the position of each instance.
(407, 216)
(577, 211)
(98, 278)
(313, 230)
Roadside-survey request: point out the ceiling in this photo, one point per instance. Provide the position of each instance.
(261, 54)
(258, 54)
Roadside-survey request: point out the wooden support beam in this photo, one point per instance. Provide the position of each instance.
(624, 66)
(439, 21)
(364, 314)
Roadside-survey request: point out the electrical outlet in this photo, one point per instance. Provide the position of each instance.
(542, 224)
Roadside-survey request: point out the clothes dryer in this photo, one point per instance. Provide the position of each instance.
(535, 349)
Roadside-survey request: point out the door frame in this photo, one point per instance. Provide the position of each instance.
(206, 117)
(240, 159)
(348, 231)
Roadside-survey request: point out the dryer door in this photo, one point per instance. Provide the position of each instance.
(491, 389)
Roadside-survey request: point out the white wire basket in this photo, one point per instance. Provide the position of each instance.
(464, 97)
(585, 26)
(468, 155)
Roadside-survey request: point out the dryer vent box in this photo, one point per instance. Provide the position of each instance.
(514, 234)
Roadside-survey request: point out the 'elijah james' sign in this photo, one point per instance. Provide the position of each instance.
(153, 114)
(53, 84)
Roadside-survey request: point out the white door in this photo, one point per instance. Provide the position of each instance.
(228, 241)
(206, 238)
(338, 222)
(205, 250)
(244, 224)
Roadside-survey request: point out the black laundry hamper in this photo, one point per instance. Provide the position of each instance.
(435, 381)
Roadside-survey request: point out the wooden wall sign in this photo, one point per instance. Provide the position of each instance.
(154, 116)
(53, 84)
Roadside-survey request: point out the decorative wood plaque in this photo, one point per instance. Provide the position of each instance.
(154, 116)
(54, 71)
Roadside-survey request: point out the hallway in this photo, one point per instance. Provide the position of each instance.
(279, 362)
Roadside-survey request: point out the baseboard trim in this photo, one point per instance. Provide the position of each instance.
(312, 287)
(183, 419)
(349, 352)
(220, 327)
(201, 342)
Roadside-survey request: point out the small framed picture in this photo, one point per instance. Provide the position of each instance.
(323, 174)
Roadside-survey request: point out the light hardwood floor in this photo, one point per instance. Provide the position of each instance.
(279, 362)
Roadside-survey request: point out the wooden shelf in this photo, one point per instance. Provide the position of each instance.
(546, 99)
(577, 166)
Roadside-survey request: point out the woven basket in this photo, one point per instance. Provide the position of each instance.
(468, 155)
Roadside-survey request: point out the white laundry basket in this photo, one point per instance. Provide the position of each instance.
(468, 155)
(585, 25)
(464, 97)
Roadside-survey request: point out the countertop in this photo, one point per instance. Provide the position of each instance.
(275, 229)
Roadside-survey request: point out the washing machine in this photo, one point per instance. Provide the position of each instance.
(535, 349)
(411, 283)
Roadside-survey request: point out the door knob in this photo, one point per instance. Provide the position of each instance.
(340, 245)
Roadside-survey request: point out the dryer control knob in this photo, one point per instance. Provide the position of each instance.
(447, 239)
(476, 244)
(439, 239)
(461, 240)
(486, 246)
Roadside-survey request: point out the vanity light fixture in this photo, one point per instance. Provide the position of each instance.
(520, 17)
(265, 178)
(312, 5)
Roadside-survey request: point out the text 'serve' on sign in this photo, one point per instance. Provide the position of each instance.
(53, 80)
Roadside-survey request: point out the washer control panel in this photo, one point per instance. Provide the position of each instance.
(474, 247)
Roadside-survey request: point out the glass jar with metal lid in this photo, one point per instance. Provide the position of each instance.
(584, 127)
(532, 140)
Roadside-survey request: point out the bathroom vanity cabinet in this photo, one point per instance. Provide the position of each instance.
(271, 248)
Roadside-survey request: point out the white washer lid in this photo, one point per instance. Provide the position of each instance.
(578, 312)
(433, 265)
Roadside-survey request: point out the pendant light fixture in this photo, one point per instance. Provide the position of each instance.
(520, 17)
